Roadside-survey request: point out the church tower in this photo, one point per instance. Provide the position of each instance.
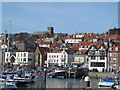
(50, 30)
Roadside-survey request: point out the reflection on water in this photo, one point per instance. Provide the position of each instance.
(62, 83)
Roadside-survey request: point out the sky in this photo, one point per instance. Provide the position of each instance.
(65, 17)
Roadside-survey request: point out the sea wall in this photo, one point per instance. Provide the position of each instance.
(102, 75)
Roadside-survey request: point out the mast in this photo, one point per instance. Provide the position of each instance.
(8, 41)
(4, 49)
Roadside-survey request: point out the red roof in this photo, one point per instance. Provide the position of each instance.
(89, 34)
(45, 43)
(95, 34)
(55, 45)
(114, 35)
(56, 52)
(97, 44)
(82, 52)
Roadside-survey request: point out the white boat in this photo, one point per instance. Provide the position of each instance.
(22, 79)
(7, 83)
(103, 84)
(106, 83)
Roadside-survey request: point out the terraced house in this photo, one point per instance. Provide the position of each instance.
(114, 58)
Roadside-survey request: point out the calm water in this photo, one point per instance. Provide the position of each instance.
(62, 83)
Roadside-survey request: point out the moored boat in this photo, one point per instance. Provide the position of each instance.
(106, 83)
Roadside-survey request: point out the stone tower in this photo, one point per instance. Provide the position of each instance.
(50, 30)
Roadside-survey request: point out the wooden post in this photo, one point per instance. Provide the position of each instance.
(45, 75)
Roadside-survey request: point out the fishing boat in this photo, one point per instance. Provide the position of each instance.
(106, 83)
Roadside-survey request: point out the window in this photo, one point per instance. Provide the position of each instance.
(97, 64)
(64, 55)
(102, 58)
(85, 46)
(49, 56)
(57, 56)
(30, 59)
(93, 57)
(109, 59)
(110, 49)
(116, 49)
(18, 60)
(114, 59)
(24, 54)
(110, 54)
(114, 54)
(114, 65)
(30, 55)
(18, 54)
(62, 60)
(24, 59)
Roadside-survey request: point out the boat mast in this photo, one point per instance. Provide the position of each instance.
(4, 49)
(8, 41)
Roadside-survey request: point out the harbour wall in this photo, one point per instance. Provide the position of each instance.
(97, 75)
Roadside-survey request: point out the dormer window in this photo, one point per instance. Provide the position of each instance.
(116, 49)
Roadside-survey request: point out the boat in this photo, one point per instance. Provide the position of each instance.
(7, 82)
(59, 73)
(106, 83)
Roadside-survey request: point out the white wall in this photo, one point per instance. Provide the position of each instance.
(60, 58)
(73, 40)
(19, 58)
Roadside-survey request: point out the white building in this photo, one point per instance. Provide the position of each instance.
(73, 40)
(97, 58)
(22, 58)
(59, 58)
(79, 35)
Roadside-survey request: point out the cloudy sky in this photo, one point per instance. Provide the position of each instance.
(65, 17)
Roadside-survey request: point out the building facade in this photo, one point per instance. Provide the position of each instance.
(41, 56)
(80, 59)
(59, 58)
(73, 40)
(114, 58)
(20, 58)
(97, 58)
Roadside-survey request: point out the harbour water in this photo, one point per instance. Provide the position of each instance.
(63, 83)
